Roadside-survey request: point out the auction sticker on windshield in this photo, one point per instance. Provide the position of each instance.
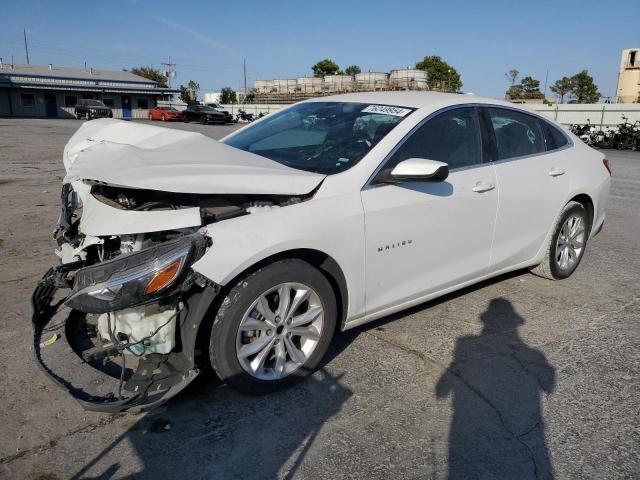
(387, 110)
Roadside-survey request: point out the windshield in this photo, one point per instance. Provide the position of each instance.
(322, 137)
(94, 103)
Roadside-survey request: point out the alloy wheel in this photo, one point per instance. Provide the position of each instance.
(279, 331)
(570, 242)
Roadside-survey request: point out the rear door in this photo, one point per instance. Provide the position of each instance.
(533, 181)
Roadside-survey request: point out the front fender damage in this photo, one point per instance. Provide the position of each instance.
(68, 349)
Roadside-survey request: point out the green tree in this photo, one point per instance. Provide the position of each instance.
(325, 67)
(562, 87)
(528, 88)
(440, 75)
(352, 70)
(531, 88)
(583, 90)
(151, 74)
(512, 76)
(227, 95)
(190, 92)
(515, 92)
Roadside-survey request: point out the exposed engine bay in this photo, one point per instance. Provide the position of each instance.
(130, 297)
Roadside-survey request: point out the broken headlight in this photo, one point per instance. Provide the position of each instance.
(137, 278)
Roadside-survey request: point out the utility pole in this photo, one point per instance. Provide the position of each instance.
(169, 70)
(26, 47)
(546, 78)
(244, 65)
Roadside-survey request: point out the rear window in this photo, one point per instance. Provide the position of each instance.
(517, 134)
(553, 136)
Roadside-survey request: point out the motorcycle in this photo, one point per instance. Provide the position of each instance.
(243, 116)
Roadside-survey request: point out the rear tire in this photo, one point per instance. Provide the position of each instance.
(287, 346)
(567, 244)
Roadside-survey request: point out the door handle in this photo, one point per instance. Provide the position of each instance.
(556, 172)
(483, 187)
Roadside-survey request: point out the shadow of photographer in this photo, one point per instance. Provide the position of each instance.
(496, 382)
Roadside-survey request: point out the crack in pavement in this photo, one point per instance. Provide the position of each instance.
(474, 390)
(53, 442)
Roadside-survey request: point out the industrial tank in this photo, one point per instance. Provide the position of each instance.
(372, 80)
(263, 86)
(408, 79)
(338, 83)
(309, 84)
(284, 85)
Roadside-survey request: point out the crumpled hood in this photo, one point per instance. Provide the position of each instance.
(144, 156)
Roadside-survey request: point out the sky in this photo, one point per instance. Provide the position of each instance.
(208, 40)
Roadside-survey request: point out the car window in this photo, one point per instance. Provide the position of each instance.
(452, 137)
(517, 134)
(553, 136)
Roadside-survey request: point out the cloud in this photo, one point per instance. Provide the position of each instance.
(201, 37)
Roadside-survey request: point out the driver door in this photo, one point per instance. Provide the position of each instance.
(422, 238)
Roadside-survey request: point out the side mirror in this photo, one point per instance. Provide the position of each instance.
(420, 170)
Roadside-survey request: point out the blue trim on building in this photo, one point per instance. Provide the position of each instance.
(60, 77)
(93, 88)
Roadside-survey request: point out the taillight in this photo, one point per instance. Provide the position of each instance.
(606, 165)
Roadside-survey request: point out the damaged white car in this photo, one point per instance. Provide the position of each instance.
(178, 252)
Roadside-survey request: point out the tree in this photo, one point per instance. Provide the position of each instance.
(561, 87)
(531, 88)
(190, 92)
(352, 70)
(528, 88)
(515, 92)
(583, 90)
(512, 76)
(440, 75)
(152, 74)
(227, 95)
(325, 67)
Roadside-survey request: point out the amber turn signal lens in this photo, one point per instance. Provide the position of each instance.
(164, 277)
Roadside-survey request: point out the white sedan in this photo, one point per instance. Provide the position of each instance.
(246, 255)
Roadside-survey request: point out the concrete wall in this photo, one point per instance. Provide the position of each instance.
(607, 114)
(38, 109)
(601, 114)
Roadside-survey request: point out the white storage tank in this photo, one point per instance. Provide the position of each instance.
(284, 85)
(309, 84)
(263, 86)
(338, 83)
(408, 79)
(372, 80)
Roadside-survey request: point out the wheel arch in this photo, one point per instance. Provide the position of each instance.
(322, 261)
(587, 202)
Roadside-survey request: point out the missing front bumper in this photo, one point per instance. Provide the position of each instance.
(67, 348)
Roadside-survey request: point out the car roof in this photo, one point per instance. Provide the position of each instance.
(416, 99)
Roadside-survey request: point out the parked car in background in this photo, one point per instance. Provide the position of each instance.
(90, 109)
(205, 114)
(247, 254)
(164, 114)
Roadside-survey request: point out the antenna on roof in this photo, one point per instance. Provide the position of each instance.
(26, 47)
(169, 71)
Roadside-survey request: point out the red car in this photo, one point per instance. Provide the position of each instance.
(164, 114)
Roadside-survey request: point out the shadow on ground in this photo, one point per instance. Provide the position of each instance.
(495, 380)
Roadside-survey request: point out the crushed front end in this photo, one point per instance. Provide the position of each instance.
(121, 334)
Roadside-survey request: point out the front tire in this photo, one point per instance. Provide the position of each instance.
(273, 327)
(567, 245)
